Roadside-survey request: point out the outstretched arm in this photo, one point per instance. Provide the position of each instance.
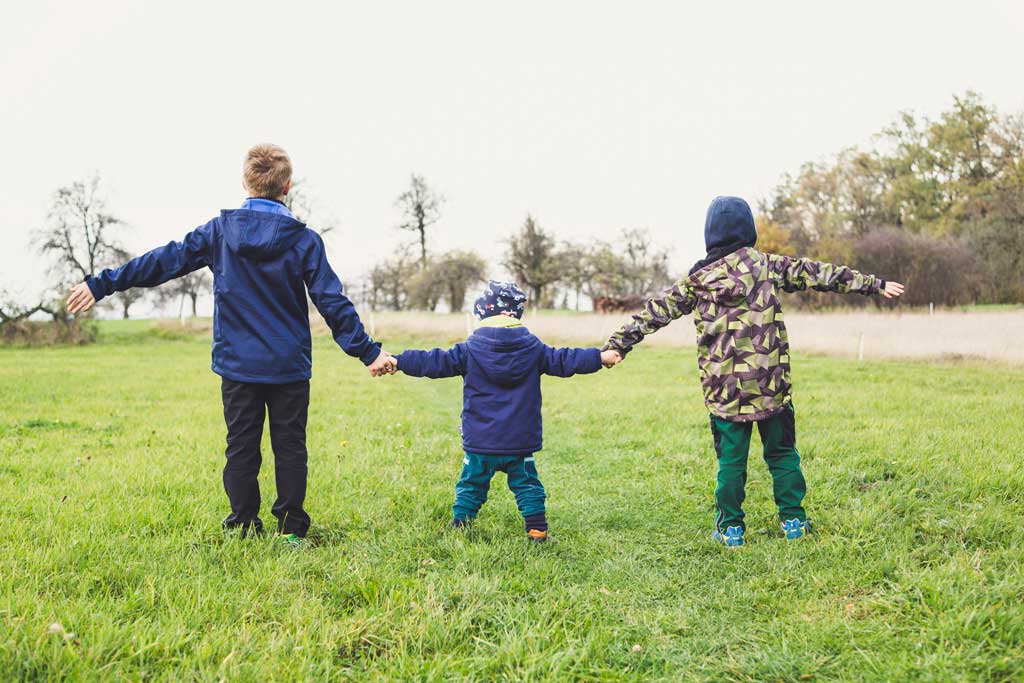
(567, 362)
(435, 364)
(675, 302)
(326, 292)
(798, 274)
(149, 270)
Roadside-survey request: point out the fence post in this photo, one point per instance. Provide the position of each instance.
(931, 308)
(860, 348)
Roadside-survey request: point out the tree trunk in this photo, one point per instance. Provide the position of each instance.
(457, 299)
(423, 245)
(194, 296)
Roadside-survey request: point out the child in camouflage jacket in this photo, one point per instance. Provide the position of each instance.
(743, 354)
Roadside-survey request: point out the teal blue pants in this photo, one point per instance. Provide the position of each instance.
(475, 482)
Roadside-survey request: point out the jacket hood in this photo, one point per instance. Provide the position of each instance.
(729, 221)
(728, 227)
(260, 235)
(507, 355)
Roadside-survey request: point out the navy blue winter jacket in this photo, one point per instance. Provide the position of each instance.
(501, 369)
(262, 265)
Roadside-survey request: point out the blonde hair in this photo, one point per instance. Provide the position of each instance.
(266, 171)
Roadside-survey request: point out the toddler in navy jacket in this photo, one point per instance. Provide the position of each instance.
(501, 364)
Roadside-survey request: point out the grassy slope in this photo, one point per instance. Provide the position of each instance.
(110, 461)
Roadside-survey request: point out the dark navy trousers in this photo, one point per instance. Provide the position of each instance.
(245, 407)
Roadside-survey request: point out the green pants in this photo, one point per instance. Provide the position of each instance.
(475, 482)
(732, 444)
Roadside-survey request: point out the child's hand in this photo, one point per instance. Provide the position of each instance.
(610, 358)
(892, 290)
(385, 364)
(80, 299)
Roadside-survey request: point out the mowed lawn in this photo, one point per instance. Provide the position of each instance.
(113, 565)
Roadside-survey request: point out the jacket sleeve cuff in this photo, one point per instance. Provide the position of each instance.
(881, 285)
(95, 287)
(594, 360)
(371, 353)
(407, 364)
(612, 347)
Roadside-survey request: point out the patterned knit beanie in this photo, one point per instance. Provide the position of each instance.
(498, 298)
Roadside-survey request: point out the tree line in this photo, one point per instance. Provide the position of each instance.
(552, 272)
(935, 203)
(82, 236)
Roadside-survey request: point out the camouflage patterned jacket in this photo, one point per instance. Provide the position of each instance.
(742, 347)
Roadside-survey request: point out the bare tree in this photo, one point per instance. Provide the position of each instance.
(421, 208)
(645, 264)
(186, 288)
(534, 260)
(577, 268)
(605, 271)
(12, 312)
(129, 298)
(389, 281)
(303, 205)
(458, 271)
(81, 233)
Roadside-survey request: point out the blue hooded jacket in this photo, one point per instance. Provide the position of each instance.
(263, 261)
(501, 369)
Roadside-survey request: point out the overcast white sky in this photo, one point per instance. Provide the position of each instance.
(593, 116)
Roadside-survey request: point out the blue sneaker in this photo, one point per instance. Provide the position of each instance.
(732, 538)
(794, 529)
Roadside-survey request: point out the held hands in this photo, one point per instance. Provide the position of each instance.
(80, 299)
(610, 358)
(892, 290)
(385, 364)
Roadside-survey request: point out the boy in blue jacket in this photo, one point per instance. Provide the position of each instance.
(501, 364)
(263, 262)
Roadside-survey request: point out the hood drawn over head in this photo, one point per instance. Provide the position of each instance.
(260, 235)
(506, 355)
(728, 227)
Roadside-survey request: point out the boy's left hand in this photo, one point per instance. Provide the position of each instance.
(892, 290)
(610, 358)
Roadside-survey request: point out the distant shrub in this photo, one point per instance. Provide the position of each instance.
(618, 304)
(1000, 248)
(938, 270)
(47, 333)
(181, 330)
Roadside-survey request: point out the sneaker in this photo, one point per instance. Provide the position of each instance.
(291, 540)
(732, 538)
(537, 536)
(459, 524)
(794, 528)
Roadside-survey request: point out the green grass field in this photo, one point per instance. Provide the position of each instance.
(110, 459)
